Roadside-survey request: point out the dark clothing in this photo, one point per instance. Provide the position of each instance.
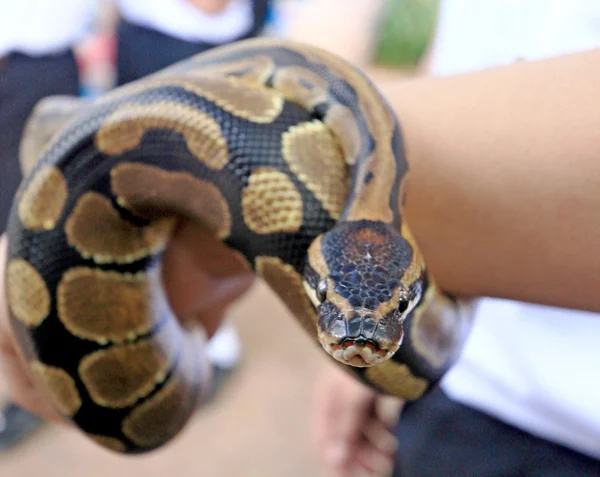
(142, 51)
(24, 80)
(440, 437)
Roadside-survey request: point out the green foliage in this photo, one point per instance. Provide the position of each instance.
(406, 28)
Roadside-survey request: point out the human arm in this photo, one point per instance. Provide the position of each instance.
(503, 195)
(503, 200)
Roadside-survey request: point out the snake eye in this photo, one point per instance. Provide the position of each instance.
(403, 302)
(322, 290)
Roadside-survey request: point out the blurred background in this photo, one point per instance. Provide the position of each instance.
(259, 424)
(386, 36)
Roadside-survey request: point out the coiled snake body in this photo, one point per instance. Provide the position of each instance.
(286, 153)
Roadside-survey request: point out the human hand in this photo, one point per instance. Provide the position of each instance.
(201, 278)
(353, 431)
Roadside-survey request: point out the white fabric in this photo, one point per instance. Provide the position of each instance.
(181, 19)
(224, 348)
(476, 34)
(534, 367)
(38, 27)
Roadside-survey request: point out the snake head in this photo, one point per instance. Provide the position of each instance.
(361, 333)
(361, 278)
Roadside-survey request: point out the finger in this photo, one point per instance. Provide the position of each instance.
(328, 410)
(374, 453)
(202, 276)
(22, 390)
(373, 462)
(377, 448)
(379, 435)
(388, 409)
(358, 409)
(207, 251)
(210, 320)
(329, 393)
(343, 406)
(325, 405)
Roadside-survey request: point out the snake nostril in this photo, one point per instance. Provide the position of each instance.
(320, 111)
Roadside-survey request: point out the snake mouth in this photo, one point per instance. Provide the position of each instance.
(359, 352)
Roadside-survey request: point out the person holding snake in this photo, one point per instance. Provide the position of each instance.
(295, 161)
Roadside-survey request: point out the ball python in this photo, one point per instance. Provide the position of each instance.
(286, 153)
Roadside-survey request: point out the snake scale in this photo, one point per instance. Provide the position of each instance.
(292, 158)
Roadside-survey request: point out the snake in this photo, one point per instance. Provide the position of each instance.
(285, 152)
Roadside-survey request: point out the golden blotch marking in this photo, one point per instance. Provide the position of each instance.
(316, 259)
(157, 420)
(403, 189)
(162, 416)
(43, 200)
(271, 202)
(438, 329)
(107, 442)
(105, 306)
(254, 102)
(255, 70)
(48, 117)
(119, 376)
(27, 293)
(343, 124)
(287, 284)
(152, 193)
(97, 231)
(372, 199)
(60, 385)
(300, 85)
(397, 380)
(241, 97)
(315, 156)
(416, 269)
(123, 130)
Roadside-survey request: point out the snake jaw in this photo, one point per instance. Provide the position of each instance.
(359, 353)
(359, 339)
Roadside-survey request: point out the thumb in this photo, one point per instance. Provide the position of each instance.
(343, 407)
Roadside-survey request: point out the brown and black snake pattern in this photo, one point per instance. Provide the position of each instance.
(287, 154)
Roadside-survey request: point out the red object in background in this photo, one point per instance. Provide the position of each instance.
(96, 58)
(98, 49)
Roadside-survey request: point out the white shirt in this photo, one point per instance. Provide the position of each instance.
(182, 20)
(40, 27)
(531, 366)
